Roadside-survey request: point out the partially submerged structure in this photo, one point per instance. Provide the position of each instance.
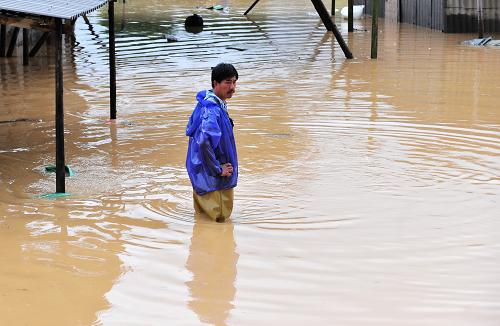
(449, 16)
(54, 18)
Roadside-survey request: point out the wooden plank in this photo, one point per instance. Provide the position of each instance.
(43, 24)
(39, 44)
(13, 41)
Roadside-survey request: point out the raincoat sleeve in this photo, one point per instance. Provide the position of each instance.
(208, 141)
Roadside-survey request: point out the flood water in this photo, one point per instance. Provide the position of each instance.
(369, 191)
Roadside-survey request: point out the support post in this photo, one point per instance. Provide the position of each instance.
(60, 161)
(39, 44)
(333, 7)
(480, 19)
(350, 16)
(251, 7)
(330, 26)
(13, 40)
(3, 39)
(26, 44)
(112, 60)
(375, 7)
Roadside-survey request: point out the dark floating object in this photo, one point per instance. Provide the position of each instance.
(235, 48)
(171, 38)
(194, 24)
(52, 168)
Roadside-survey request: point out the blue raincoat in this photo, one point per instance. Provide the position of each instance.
(211, 144)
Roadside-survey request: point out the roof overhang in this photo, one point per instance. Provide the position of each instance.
(65, 9)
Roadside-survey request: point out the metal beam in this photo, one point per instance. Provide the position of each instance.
(330, 26)
(112, 61)
(60, 161)
(251, 7)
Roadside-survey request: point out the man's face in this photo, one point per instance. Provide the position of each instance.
(225, 89)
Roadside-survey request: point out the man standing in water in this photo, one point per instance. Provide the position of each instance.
(212, 162)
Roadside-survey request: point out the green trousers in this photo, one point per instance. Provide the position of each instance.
(217, 205)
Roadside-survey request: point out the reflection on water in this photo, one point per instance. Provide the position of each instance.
(212, 261)
(368, 192)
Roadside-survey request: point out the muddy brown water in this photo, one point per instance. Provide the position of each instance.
(369, 190)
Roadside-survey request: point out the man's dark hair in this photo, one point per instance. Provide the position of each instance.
(223, 71)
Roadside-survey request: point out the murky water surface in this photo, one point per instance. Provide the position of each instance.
(369, 190)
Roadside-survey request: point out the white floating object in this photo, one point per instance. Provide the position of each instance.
(357, 12)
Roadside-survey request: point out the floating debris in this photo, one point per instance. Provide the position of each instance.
(235, 48)
(357, 12)
(171, 38)
(54, 195)
(216, 7)
(20, 120)
(52, 168)
(477, 41)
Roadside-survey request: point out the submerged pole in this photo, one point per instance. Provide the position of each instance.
(251, 7)
(333, 7)
(350, 16)
(112, 60)
(480, 18)
(330, 26)
(375, 7)
(13, 41)
(26, 47)
(3, 39)
(60, 170)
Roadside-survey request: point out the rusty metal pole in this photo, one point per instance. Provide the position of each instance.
(112, 60)
(60, 169)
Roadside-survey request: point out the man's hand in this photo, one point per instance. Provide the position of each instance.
(227, 170)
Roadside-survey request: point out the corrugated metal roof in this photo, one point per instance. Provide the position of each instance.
(52, 8)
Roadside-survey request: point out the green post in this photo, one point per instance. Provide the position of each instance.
(375, 7)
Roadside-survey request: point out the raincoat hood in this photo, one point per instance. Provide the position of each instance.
(205, 98)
